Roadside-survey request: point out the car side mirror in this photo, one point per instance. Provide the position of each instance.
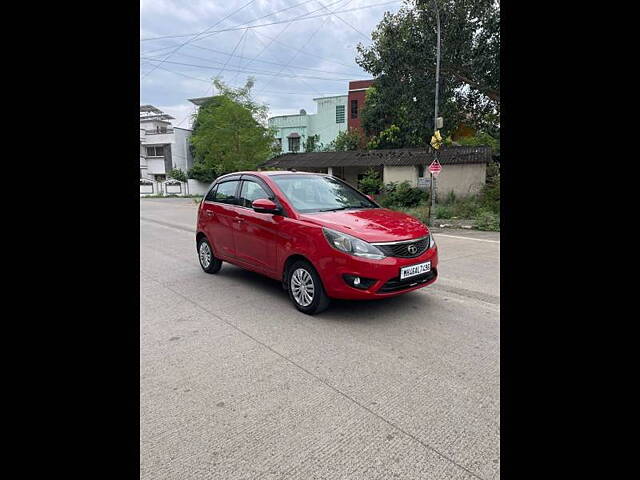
(263, 205)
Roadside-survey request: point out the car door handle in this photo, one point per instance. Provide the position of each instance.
(238, 219)
(209, 213)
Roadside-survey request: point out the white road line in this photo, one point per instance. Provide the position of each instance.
(466, 238)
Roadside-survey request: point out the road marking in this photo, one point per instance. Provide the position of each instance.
(467, 238)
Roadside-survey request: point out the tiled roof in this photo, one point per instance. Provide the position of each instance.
(397, 157)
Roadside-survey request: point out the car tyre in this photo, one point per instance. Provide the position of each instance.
(208, 261)
(305, 288)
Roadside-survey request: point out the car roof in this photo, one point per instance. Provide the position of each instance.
(271, 172)
(290, 172)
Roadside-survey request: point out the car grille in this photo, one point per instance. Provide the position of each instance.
(402, 250)
(396, 284)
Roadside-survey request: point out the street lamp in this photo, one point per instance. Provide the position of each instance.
(436, 124)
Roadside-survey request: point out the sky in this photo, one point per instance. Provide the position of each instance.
(292, 62)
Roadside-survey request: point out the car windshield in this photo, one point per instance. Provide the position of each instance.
(316, 193)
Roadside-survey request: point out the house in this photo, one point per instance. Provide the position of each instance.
(162, 146)
(464, 169)
(293, 130)
(357, 93)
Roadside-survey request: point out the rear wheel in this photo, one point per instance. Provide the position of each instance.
(305, 288)
(208, 261)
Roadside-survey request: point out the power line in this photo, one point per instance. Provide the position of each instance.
(296, 19)
(230, 56)
(255, 59)
(198, 35)
(307, 43)
(269, 44)
(209, 82)
(256, 72)
(303, 52)
(347, 23)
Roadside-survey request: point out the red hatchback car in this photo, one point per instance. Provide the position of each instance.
(318, 235)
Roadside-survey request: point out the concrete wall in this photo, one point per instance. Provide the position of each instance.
(400, 174)
(158, 138)
(463, 180)
(197, 188)
(156, 166)
(181, 155)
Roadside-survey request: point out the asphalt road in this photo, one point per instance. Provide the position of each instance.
(235, 383)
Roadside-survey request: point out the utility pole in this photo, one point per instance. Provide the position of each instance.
(435, 119)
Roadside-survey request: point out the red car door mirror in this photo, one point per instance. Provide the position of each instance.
(263, 205)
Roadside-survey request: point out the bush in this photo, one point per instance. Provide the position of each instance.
(371, 182)
(202, 172)
(402, 195)
(488, 220)
(177, 174)
(443, 211)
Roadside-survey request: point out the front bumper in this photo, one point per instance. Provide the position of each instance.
(386, 273)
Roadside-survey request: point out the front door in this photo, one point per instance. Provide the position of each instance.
(220, 214)
(256, 233)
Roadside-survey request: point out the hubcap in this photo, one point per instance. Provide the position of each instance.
(205, 255)
(302, 287)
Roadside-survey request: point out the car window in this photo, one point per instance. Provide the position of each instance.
(251, 191)
(211, 195)
(226, 192)
(316, 193)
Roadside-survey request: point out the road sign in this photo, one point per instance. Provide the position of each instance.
(435, 168)
(424, 183)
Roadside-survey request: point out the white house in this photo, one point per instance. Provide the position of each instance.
(162, 146)
(293, 130)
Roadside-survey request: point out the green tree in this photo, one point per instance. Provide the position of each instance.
(345, 141)
(402, 57)
(311, 143)
(230, 134)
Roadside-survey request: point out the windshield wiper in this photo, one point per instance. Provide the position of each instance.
(343, 208)
(332, 209)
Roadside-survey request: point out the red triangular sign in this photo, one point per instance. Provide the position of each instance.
(435, 167)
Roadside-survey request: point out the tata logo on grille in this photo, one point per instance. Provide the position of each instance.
(412, 249)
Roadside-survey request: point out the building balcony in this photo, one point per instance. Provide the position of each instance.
(155, 166)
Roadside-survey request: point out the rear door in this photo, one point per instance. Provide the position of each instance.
(256, 233)
(220, 214)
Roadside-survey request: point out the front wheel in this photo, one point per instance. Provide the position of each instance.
(305, 288)
(208, 261)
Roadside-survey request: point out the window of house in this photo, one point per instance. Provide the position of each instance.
(294, 144)
(339, 113)
(226, 192)
(251, 191)
(354, 108)
(420, 170)
(155, 151)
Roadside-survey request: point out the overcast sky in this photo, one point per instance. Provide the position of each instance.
(293, 62)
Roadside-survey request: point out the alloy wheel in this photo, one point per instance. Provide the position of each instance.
(205, 255)
(302, 287)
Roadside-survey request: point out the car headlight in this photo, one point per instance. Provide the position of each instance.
(352, 245)
(432, 241)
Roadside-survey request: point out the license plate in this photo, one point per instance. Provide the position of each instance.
(413, 270)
